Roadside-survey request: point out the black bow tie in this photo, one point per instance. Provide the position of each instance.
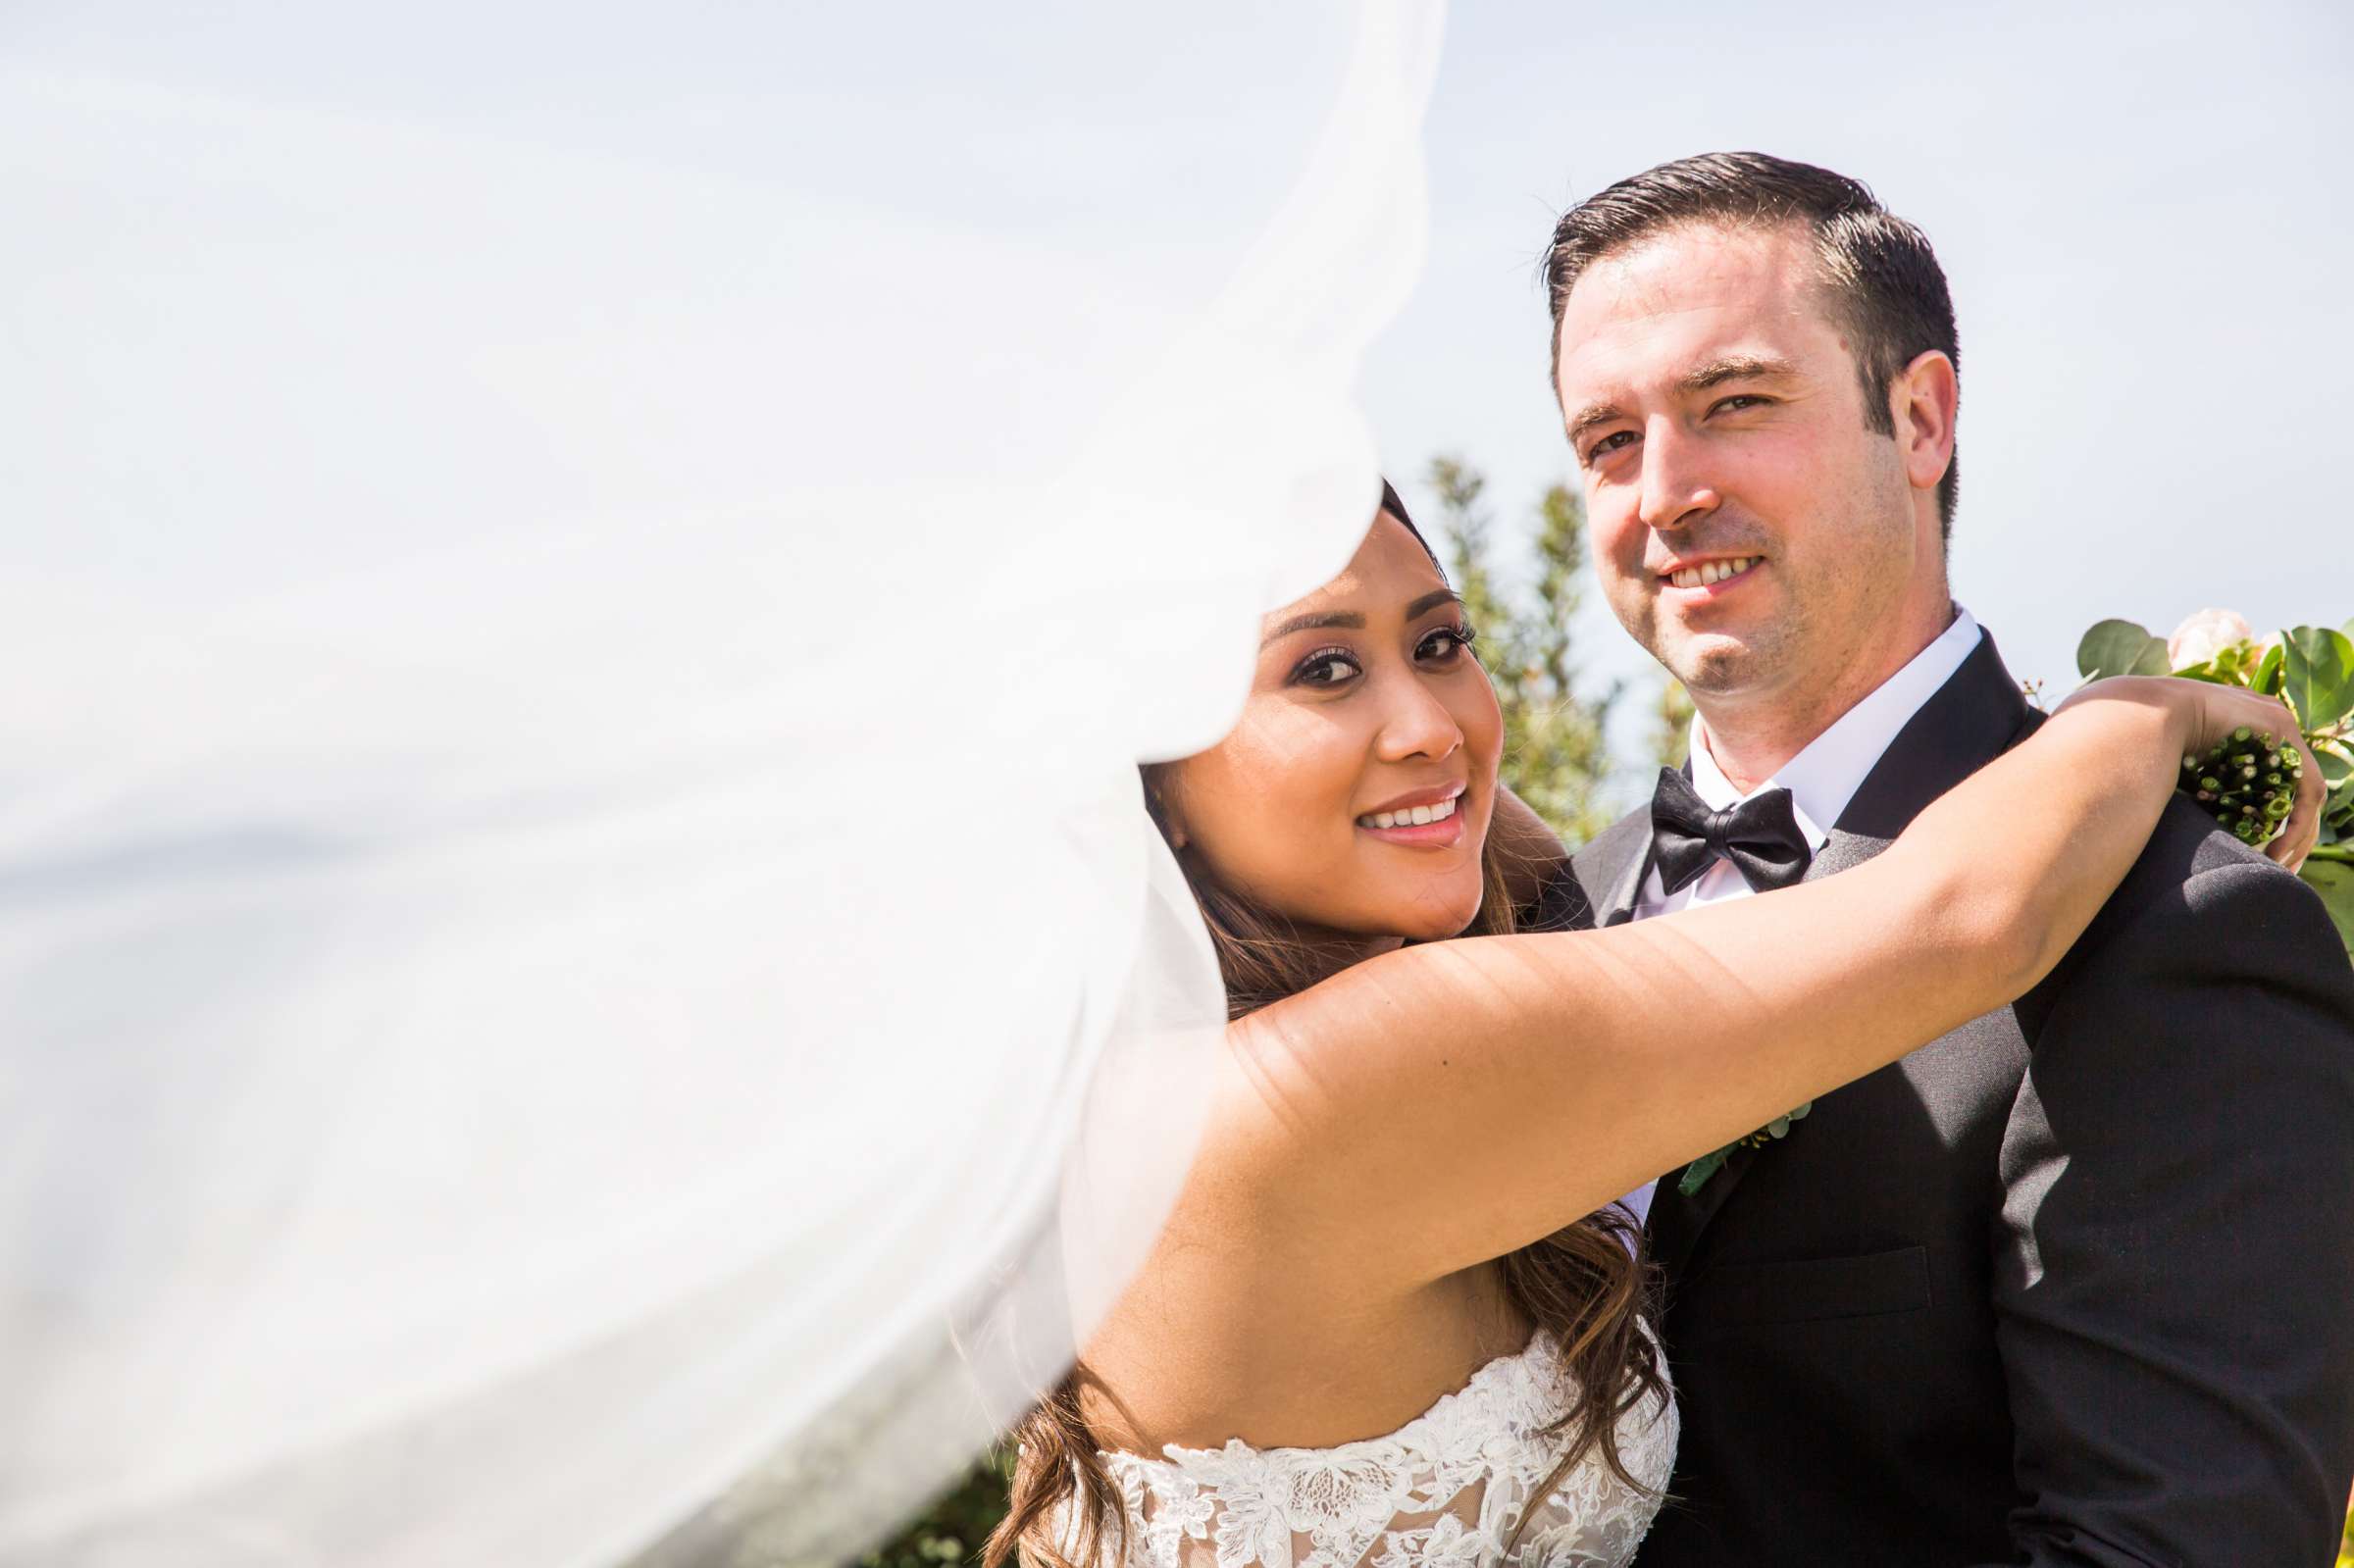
(1760, 836)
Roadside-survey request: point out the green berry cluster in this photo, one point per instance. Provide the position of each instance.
(2248, 782)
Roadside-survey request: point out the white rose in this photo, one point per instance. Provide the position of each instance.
(2201, 637)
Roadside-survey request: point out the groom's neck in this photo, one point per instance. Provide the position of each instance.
(1753, 736)
(1749, 749)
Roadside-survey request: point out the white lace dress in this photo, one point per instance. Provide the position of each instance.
(1447, 1489)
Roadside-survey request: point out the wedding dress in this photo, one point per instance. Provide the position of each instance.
(1458, 1487)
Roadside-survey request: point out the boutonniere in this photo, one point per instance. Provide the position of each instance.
(1697, 1173)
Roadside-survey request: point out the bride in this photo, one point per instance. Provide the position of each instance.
(1394, 1319)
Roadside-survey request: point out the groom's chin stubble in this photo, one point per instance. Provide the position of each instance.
(1714, 665)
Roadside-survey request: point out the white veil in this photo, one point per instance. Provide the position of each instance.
(582, 970)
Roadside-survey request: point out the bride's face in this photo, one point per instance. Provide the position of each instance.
(1367, 709)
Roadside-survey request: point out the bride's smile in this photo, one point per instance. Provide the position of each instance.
(1423, 818)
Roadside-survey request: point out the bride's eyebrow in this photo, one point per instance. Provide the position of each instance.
(1348, 619)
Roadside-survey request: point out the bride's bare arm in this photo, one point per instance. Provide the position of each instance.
(1440, 1106)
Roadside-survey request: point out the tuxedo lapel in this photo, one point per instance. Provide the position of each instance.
(1973, 717)
(1627, 889)
(1843, 851)
(1676, 1221)
(1611, 868)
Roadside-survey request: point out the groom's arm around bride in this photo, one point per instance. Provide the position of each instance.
(2070, 1284)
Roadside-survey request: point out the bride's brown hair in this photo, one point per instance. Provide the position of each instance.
(1587, 1285)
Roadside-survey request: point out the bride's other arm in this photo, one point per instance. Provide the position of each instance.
(1441, 1106)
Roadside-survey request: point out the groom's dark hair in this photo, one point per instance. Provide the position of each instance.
(1880, 271)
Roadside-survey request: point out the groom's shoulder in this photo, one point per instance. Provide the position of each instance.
(2197, 893)
(2190, 863)
(2199, 902)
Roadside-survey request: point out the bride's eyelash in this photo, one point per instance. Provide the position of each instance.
(1463, 633)
(1322, 656)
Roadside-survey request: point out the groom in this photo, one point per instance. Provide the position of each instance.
(2073, 1283)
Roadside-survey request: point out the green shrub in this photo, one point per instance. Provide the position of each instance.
(954, 1528)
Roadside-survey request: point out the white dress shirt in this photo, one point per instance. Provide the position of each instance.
(1821, 780)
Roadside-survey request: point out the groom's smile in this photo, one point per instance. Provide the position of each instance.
(1697, 575)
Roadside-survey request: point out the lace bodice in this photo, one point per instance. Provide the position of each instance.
(1445, 1491)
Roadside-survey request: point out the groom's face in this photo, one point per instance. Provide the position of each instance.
(1748, 527)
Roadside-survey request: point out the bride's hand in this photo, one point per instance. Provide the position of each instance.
(2207, 714)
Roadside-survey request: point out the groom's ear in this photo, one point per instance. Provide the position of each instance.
(1924, 398)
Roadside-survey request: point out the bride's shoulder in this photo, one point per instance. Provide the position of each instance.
(1519, 1388)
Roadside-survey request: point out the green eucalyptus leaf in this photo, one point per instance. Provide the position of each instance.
(1696, 1174)
(2338, 811)
(2214, 672)
(2333, 879)
(2232, 664)
(2337, 767)
(2268, 673)
(2318, 674)
(2121, 647)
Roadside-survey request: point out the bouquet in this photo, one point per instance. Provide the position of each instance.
(2246, 782)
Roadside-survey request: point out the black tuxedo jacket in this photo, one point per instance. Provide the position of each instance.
(2073, 1283)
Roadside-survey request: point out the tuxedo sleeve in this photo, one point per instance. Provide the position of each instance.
(2174, 1263)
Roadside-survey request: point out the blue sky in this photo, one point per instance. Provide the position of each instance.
(2143, 212)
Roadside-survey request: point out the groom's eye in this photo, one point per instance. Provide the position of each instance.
(1739, 401)
(1608, 444)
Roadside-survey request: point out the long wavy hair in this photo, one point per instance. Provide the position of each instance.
(1587, 1285)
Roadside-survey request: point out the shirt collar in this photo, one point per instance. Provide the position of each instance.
(1826, 776)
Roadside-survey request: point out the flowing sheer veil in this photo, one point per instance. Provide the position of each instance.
(582, 970)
